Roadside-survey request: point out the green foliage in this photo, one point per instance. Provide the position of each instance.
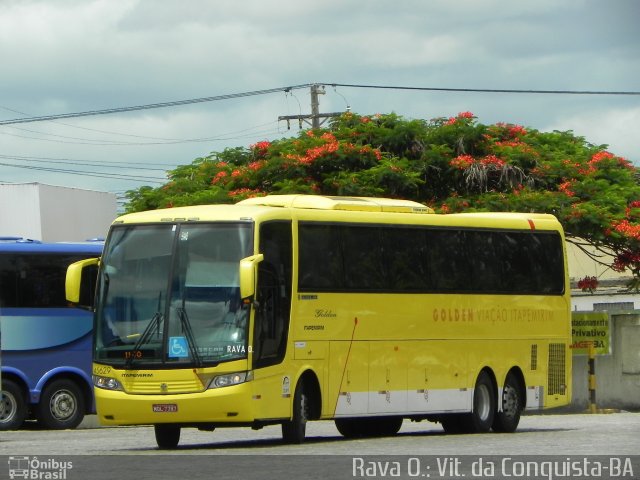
(452, 164)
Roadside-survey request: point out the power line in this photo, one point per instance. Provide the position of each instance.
(113, 176)
(110, 143)
(108, 132)
(488, 90)
(151, 106)
(103, 142)
(124, 165)
(308, 85)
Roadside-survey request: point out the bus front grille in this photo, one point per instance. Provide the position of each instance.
(155, 387)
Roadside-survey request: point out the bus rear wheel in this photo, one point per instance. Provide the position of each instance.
(61, 405)
(13, 407)
(508, 419)
(481, 418)
(167, 436)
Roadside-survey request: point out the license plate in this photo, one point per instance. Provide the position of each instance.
(165, 407)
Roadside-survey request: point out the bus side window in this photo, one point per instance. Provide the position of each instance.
(404, 253)
(448, 262)
(363, 262)
(321, 267)
(9, 280)
(273, 295)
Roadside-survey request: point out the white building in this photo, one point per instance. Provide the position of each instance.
(52, 214)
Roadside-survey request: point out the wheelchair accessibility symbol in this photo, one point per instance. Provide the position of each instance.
(178, 347)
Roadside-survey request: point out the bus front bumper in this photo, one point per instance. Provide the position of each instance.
(231, 404)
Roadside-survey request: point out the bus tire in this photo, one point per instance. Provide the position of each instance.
(480, 420)
(384, 426)
(508, 419)
(294, 430)
(368, 427)
(167, 435)
(453, 423)
(13, 406)
(61, 405)
(349, 427)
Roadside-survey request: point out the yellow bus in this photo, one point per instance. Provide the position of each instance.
(366, 311)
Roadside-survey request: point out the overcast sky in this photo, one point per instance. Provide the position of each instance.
(77, 55)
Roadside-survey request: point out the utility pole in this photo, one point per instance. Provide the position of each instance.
(315, 119)
(315, 105)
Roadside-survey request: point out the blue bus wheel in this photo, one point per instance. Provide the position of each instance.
(13, 407)
(61, 405)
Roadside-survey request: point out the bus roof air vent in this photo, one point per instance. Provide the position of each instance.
(319, 202)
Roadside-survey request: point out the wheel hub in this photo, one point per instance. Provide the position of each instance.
(8, 407)
(509, 401)
(63, 405)
(484, 402)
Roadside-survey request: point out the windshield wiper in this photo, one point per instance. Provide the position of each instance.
(188, 331)
(146, 334)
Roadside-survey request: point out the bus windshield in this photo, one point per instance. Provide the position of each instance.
(169, 295)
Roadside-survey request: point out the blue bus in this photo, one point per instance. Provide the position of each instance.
(46, 343)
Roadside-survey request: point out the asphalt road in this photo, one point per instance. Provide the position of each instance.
(421, 449)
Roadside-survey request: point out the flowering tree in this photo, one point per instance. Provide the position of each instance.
(451, 164)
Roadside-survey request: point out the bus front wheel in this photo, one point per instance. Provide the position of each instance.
(294, 430)
(167, 436)
(13, 407)
(61, 405)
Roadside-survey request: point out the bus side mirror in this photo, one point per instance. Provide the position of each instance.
(248, 269)
(79, 275)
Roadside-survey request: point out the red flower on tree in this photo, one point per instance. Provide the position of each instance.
(255, 166)
(260, 149)
(625, 259)
(515, 131)
(566, 188)
(492, 160)
(460, 116)
(462, 162)
(219, 176)
(588, 284)
(241, 193)
(628, 229)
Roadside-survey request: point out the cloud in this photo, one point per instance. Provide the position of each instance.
(617, 128)
(76, 55)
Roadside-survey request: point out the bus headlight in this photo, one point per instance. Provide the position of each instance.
(230, 379)
(107, 383)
